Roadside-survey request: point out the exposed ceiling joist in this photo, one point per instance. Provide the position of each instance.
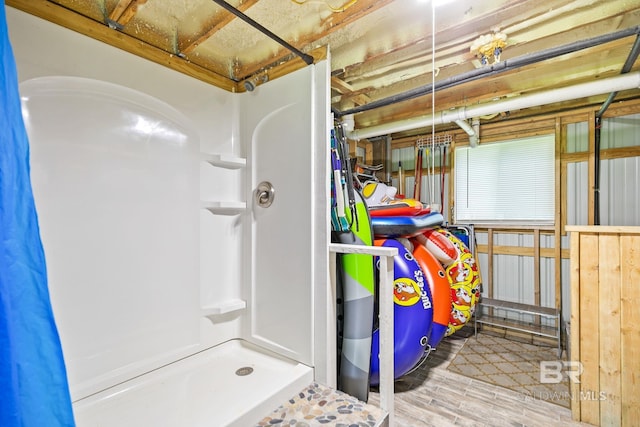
(124, 11)
(379, 48)
(217, 22)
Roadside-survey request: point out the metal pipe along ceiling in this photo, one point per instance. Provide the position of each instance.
(583, 90)
(308, 59)
(631, 59)
(506, 65)
(473, 139)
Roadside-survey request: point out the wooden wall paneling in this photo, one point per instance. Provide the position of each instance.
(620, 153)
(589, 343)
(581, 156)
(516, 229)
(576, 116)
(499, 130)
(630, 329)
(609, 327)
(609, 154)
(521, 251)
(625, 108)
(575, 348)
(605, 324)
(529, 127)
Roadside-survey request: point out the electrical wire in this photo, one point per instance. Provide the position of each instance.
(332, 8)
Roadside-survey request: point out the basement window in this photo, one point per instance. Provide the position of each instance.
(511, 181)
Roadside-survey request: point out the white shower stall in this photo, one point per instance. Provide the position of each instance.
(179, 299)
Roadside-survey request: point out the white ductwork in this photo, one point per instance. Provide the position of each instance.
(583, 90)
(348, 123)
(473, 136)
(475, 124)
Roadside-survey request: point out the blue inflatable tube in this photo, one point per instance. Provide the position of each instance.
(412, 314)
(405, 226)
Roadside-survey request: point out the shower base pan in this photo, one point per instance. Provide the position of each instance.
(233, 384)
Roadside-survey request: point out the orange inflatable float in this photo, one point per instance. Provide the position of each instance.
(461, 271)
(439, 245)
(464, 279)
(440, 291)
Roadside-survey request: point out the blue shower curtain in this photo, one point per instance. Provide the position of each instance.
(33, 380)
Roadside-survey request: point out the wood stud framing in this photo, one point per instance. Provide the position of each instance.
(536, 126)
(213, 26)
(124, 11)
(557, 230)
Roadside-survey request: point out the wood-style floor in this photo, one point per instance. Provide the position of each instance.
(434, 396)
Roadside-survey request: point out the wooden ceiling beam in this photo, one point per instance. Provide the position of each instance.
(582, 64)
(333, 23)
(453, 40)
(358, 10)
(64, 17)
(215, 24)
(295, 64)
(125, 10)
(346, 91)
(288, 67)
(117, 11)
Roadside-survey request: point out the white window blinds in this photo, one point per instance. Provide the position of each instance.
(510, 181)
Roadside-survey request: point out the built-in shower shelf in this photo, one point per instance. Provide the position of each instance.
(224, 207)
(225, 160)
(224, 307)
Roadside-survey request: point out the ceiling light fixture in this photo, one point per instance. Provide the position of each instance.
(489, 45)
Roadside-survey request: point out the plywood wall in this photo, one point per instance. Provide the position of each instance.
(605, 325)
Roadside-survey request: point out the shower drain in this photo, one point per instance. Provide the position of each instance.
(245, 370)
